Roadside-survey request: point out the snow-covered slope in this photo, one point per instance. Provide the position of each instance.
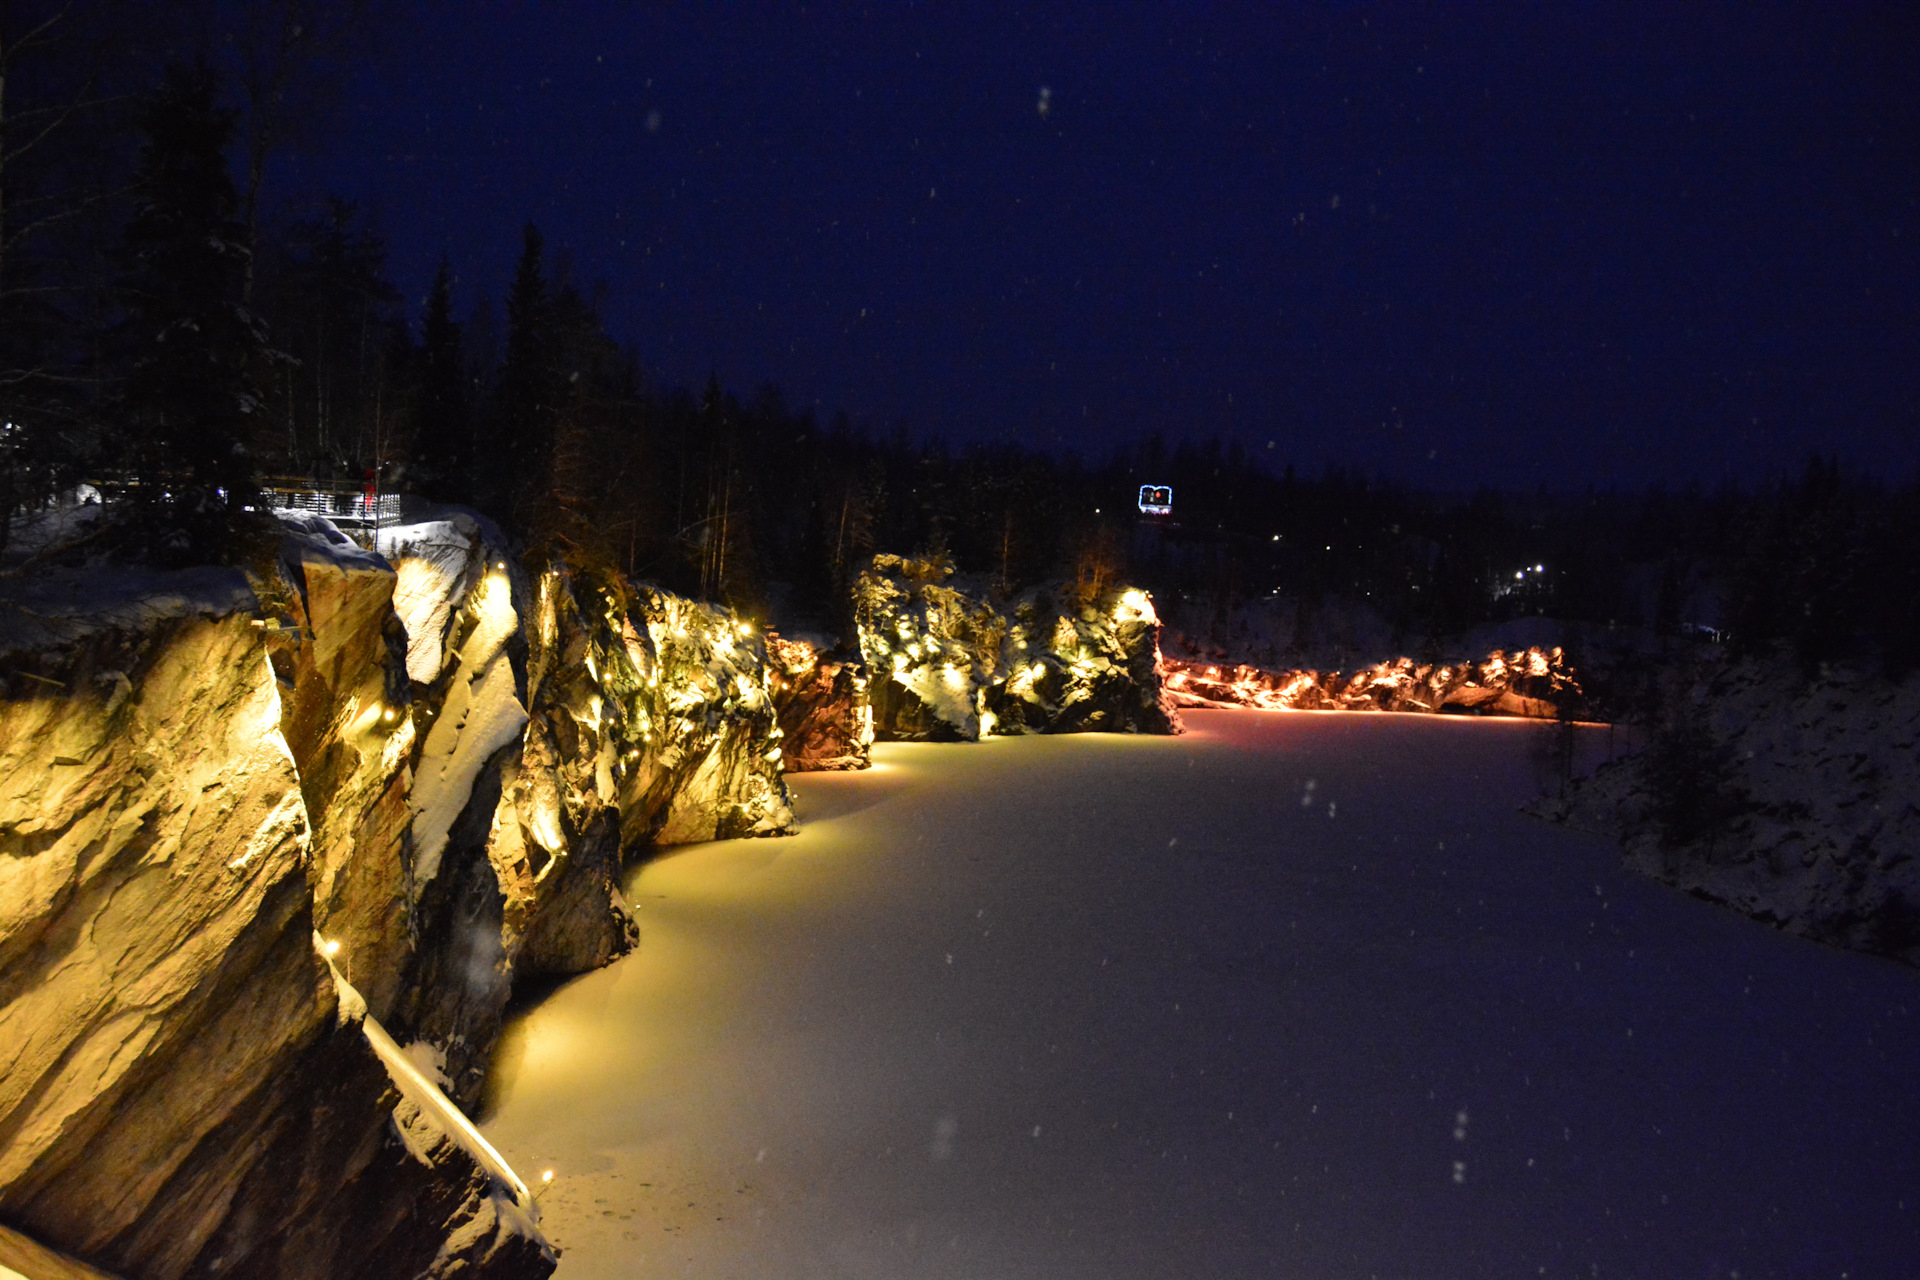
(1794, 801)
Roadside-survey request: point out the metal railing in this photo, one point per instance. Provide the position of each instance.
(375, 509)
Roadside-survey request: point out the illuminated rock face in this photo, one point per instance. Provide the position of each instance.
(950, 666)
(1795, 802)
(708, 765)
(181, 1091)
(1534, 682)
(426, 763)
(824, 707)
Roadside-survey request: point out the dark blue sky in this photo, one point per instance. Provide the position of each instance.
(1451, 243)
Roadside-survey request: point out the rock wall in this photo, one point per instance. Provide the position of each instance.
(273, 858)
(1531, 682)
(950, 665)
(182, 1090)
(824, 707)
(1796, 802)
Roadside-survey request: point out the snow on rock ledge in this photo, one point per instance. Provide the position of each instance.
(948, 665)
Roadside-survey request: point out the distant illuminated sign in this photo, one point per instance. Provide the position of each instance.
(1156, 499)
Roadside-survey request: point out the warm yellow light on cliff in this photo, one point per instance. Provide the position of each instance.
(744, 629)
(330, 948)
(546, 1175)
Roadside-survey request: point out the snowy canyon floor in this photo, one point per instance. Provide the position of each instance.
(1289, 995)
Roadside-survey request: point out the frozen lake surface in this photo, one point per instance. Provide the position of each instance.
(1290, 995)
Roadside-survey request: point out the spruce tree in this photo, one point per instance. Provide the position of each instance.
(191, 397)
(333, 309)
(442, 434)
(522, 455)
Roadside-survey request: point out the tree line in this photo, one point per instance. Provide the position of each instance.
(163, 338)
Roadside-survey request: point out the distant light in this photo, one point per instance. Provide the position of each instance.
(331, 949)
(1156, 499)
(1539, 568)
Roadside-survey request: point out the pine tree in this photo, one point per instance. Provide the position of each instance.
(442, 434)
(522, 455)
(333, 308)
(191, 398)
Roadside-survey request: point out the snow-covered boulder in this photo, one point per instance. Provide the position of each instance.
(823, 706)
(1794, 801)
(950, 665)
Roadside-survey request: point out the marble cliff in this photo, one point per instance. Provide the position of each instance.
(949, 663)
(273, 852)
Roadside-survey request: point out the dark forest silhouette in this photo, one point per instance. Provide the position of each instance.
(172, 336)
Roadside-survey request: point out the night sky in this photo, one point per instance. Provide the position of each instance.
(1448, 244)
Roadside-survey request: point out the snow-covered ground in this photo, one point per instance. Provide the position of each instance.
(1290, 995)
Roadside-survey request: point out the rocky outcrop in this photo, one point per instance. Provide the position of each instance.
(271, 856)
(1534, 682)
(823, 706)
(708, 763)
(1796, 802)
(951, 665)
(180, 1093)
